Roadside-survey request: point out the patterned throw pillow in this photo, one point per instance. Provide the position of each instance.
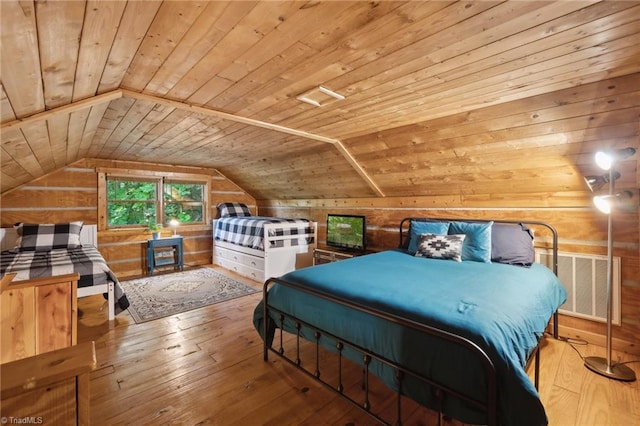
(447, 247)
(233, 210)
(47, 236)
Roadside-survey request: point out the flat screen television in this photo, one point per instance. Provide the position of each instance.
(348, 232)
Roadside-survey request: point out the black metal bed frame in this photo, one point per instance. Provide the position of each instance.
(490, 406)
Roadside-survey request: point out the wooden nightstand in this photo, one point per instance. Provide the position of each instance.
(164, 252)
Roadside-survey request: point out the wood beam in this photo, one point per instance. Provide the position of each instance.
(252, 122)
(347, 156)
(66, 109)
(226, 116)
(119, 93)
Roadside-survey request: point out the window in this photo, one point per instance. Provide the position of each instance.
(184, 201)
(133, 201)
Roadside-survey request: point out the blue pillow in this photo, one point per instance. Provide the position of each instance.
(419, 227)
(477, 244)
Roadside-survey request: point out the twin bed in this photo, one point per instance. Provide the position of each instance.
(260, 247)
(450, 325)
(44, 250)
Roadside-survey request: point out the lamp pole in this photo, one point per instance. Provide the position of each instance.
(609, 272)
(598, 364)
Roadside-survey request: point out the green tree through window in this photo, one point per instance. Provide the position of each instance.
(135, 202)
(131, 202)
(184, 202)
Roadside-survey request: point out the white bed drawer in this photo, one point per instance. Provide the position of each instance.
(242, 258)
(242, 269)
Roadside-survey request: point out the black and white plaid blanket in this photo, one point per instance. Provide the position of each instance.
(86, 261)
(249, 231)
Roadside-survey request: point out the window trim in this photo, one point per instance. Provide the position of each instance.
(150, 176)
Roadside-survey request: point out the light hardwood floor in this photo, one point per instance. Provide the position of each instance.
(205, 367)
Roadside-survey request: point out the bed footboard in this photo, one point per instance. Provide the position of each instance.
(38, 315)
(440, 390)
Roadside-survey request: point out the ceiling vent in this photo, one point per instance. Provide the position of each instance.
(320, 96)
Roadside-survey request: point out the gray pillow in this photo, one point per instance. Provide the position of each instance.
(512, 244)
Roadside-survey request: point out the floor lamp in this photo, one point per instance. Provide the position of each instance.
(607, 204)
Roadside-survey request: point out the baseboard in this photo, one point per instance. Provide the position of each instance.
(599, 340)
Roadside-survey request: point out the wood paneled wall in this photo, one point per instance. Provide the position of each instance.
(71, 193)
(581, 229)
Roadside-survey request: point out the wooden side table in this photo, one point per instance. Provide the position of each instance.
(165, 252)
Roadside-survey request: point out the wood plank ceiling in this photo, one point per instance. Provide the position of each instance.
(440, 97)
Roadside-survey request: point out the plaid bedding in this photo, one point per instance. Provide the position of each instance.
(85, 260)
(45, 237)
(249, 231)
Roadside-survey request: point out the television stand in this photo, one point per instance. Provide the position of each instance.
(328, 254)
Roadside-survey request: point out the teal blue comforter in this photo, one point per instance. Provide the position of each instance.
(502, 308)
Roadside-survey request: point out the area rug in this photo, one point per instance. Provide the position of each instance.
(169, 294)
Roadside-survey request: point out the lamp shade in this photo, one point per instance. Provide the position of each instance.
(174, 224)
(596, 182)
(606, 159)
(606, 203)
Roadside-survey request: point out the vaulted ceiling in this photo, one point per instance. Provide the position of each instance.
(433, 97)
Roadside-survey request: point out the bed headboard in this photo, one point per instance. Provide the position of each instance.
(405, 224)
(88, 236)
